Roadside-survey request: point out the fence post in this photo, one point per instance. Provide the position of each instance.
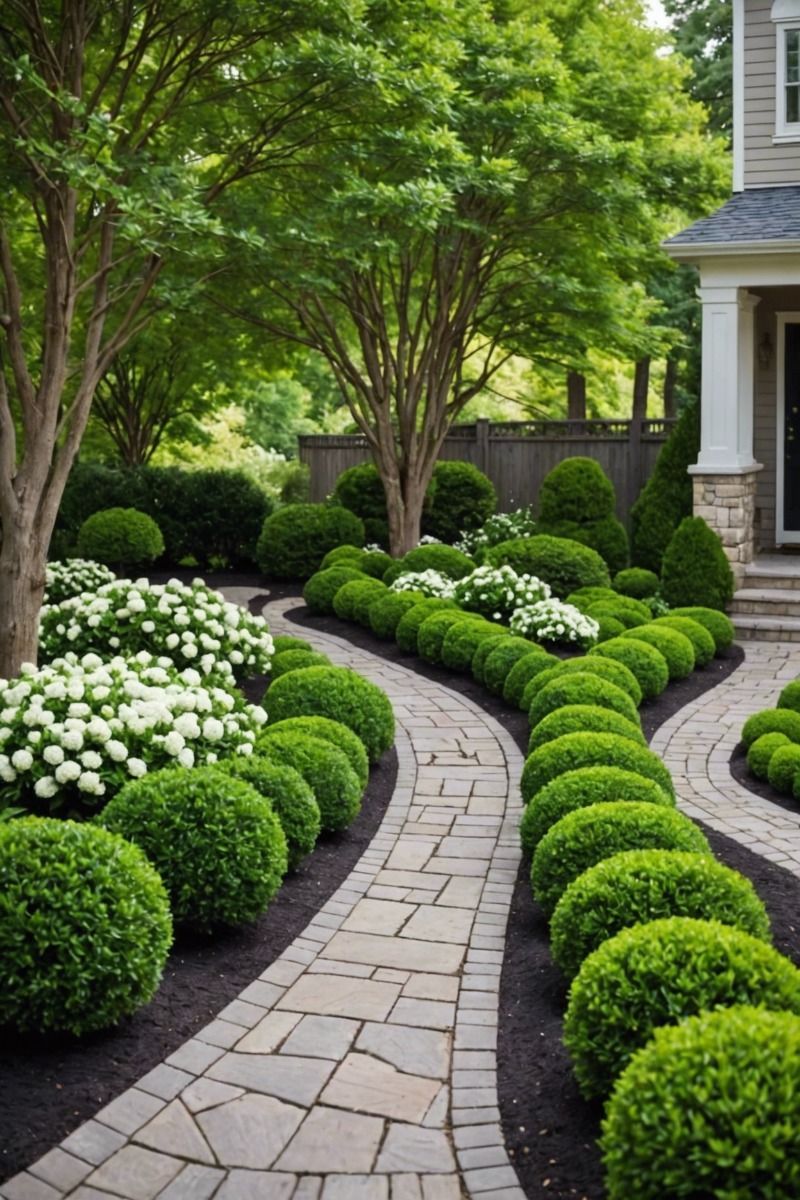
(635, 459)
(482, 439)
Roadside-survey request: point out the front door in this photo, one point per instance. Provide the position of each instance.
(787, 513)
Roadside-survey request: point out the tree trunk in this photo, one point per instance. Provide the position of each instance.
(670, 380)
(22, 578)
(641, 385)
(404, 504)
(576, 396)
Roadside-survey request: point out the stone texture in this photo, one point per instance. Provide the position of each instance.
(405, 1148)
(419, 1051)
(257, 1185)
(338, 996)
(251, 1131)
(194, 1183)
(378, 916)
(174, 1132)
(355, 1187)
(365, 1084)
(135, 1173)
(268, 1034)
(60, 1169)
(333, 1141)
(93, 1142)
(207, 1093)
(298, 1080)
(404, 953)
(322, 1037)
(130, 1111)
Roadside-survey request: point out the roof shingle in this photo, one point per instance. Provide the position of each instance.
(761, 214)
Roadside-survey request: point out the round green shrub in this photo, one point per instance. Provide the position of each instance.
(577, 489)
(579, 789)
(523, 671)
(331, 731)
(607, 537)
(636, 582)
(215, 842)
(444, 559)
(408, 626)
(667, 496)
(676, 648)
(291, 798)
(459, 499)
(644, 661)
(375, 563)
(588, 835)
(658, 974)
(355, 597)
(296, 660)
(603, 668)
(583, 718)
(463, 638)
(376, 532)
(562, 563)
(695, 569)
(784, 768)
(360, 489)
(340, 694)
(85, 926)
(762, 750)
(483, 650)
(343, 556)
(576, 750)
(631, 611)
(296, 538)
(771, 720)
(698, 635)
(638, 886)
(501, 659)
(321, 588)
(120, 536)
(433, 630)
(708, 1108)
(790, 696)
(718, 625)
(607, 611)
(584, 596)
(608, 628)
(581, 687)
(325, 768)
(386, 610)
(282, 641)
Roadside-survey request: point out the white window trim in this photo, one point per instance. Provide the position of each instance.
(785, 16)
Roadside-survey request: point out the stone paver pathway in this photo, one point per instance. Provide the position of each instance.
(361, 1065)
(696, 744)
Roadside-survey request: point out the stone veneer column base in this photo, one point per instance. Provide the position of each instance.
(728, 504)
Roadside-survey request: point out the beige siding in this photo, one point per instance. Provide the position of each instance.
(764, 163)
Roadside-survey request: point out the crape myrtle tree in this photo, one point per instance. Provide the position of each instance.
(123, 124)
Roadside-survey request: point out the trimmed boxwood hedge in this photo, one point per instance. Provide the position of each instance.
(658, 974)
(735, 1137)
(355, 597)
(523, 671)
(676, 648)
(579, 789)
(644, 661)
(460, 498)
(321, 588)
(718, 625)
(483, 650)
(562, 563)
(281, 642)
(434, 628)
(86, 926)
(408, 626)
(291, 798)
(603, 668)
(783, 771)
(576, 489)
(605, 610)
(340, 694)
(295, 539)
(790, 696)
(637, 886)
(576, 750)
(762, 750)
(607, 537)
(325, 768)
(695, 568)
(386, 610)
(583, 718)
(296, 660)
(445, 559)
(120, 537)
(771, 720)
(581, 687)
(636, 582)
(501, 659)
(331, 731)
(463, 638)
(588, 835)
(343, 556)
(702, 641)
(608, 628)
(375, 563)
(582, 597)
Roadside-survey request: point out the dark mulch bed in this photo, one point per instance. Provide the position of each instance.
(759, 787)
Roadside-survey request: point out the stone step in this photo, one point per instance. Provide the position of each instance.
(757, 627)
(768, 602)
(773, 571)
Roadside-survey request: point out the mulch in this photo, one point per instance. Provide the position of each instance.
(759, 787)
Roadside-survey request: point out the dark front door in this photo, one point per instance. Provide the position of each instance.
(789, 441)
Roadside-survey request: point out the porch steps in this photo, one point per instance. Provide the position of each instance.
(767, 605)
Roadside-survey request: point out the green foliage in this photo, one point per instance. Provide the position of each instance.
(321, 588)
(340, 694)
(336, 734)
(324, 767)
(734, 1136)
(461, 642)
(638, 886)
(666, 498)
(215, 842)
(295, 539)
(375, 563)
(377, 532)
(483, 650)
(771, 720)
(353, 599)
(291, 798)
(121, 536)
(576, 750)
(695, 570)
(296, 660)
(343, 556)
(501, 659)
(636, 582)
(608, 628)
(702, 641)
(523, 671)
(581, 687)
(606, 611)
(699, 965)
(409, 625)
(603, 668)
(564, 564)
(675, 648)
(762, 750)
(445, 559)
(703, 34)
(718, 625)
(296, 486)
(784, 767)
(583, 597)
(577, 489)
(790, 696)
(644, 661)
(460, 499)
(360, 489)
(608, 537)
(433, 630)
(283, 642)
(583, 717)
(386, 610)
(579, 789)
(85, 923)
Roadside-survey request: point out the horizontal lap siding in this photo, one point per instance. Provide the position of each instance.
(764, 163)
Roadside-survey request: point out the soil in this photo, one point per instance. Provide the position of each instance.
(759, 787)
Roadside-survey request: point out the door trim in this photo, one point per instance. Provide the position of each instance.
(783, 537)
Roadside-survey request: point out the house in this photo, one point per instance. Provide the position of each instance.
(747, 476)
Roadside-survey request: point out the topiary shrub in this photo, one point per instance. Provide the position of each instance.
(607, 537)
(708, 1108)
(325, 768)
(523, 671)
(576, 750)
(340, 694)
(295, 539)
(790, 696)
(352, 600)
(702, 641)
(603, 668)
(121, 537)
(444, 559)
(643, 660)
(583, 718)
(581, 687)
(784, 768)
(771, 720)
(631, 612)
(408, 626)
(762, 750)
(579, 789)
(85, 927)
(283, 642)
(291, 798)
(333, 732)
(215, 842)
(360, 489)
(386, 611)
(636, 582)
(433, 630)
(460, 498)
(296, 660)
(375, 563)
(638, 886)
(501, 658)
(582, 597)
(577, 489)
(608, 628)
(343, 556)
(667, 496)
(462, 639)
(695, 965)
(321, 588)
(695, 569)
(718, 625)
(484, 649)
(676, 648)
(563, 564)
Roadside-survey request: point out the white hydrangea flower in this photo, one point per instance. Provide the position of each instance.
(136, 768)
(45, 787)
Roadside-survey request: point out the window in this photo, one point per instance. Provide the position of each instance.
(786, 16)
(791, 47)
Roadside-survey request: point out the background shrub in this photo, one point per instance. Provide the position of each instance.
(667, 496)
(636, 582)
(462, 640)
(702, 641)
(790, 696)
(360, 489)
(605, 610)
(408, 626)
(699, 965)
(344, 556)
(325, 768)
(564, 564)
(695, 570)
(603, 668)
(608, 628)
(215, 842)
(321, 588)
(386, 610)
(291, 798)
(352, 600)
(295, 539)
(121, 537)
(577, 489)
(762, 750)
(501, 659)
(85, 927)
(588, 835)
(460, 498)
(375, 563)
(784, 768)
(718, 625)
(445, 559)
(333, 732)
(583, 718)
(643, 660)
(340, 694)
(576, 750)
(523, 671)
(771, 720)
(676, 648)
(608, 537)
(434, 628)
(638, 886)
(736, 1136)
(296, 660)
(581, 687)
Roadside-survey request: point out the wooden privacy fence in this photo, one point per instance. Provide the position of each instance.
(516, 455)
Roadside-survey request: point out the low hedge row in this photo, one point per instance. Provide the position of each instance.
(772, 740)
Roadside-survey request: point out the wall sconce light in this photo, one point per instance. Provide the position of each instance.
(765, 349)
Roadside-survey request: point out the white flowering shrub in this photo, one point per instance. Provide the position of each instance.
(430, 583)
(428, 539)
(190, 624)
(498, 591)
(72, 576)
(555, 621)
(498, 528)
(79, 728)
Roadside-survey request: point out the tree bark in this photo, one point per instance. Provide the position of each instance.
(23, 557)
(641, 385)
(576, 396)
(670, 381)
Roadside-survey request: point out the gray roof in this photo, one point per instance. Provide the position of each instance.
(758, 215)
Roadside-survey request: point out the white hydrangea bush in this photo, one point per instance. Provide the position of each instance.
(497, 592)
(77, 729)
(188, 623)
(555, 621)
(430, 583)
(499, 528)
(73, 576)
